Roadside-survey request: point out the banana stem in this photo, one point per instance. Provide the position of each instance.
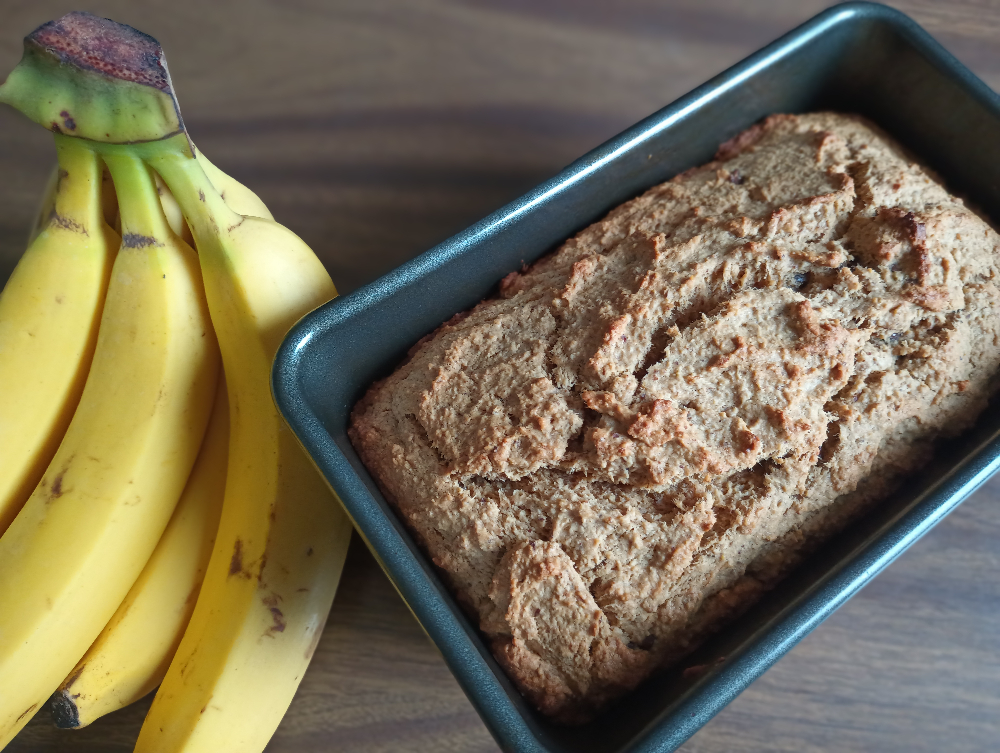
(78, 202)
(202, 204)
(143, 221)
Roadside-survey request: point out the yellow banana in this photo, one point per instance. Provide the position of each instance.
(131, 655)
(283, 536)
(81, 540)
(50, 310)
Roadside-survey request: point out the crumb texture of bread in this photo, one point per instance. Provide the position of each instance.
(650, 426)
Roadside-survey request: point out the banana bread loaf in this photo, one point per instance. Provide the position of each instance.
(651, 425)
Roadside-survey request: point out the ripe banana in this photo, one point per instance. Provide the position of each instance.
(131, 655)
(49, 314)
(75, 549)
(283, 536)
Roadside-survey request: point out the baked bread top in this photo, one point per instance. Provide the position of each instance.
(651, 425)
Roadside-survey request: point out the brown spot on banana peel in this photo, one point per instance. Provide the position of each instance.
(246, 570)
(27, 711)
(68, 122)
(56, 489)
(187, 663)
(65, 223)
(137, 240)
(68, 683)
(238, 567)
(278, 623)
(236, 563)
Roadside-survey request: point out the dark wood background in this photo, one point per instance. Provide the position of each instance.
(376, 128)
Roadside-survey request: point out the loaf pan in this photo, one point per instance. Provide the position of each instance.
(858, 57)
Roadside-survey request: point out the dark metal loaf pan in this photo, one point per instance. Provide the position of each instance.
(857, 57)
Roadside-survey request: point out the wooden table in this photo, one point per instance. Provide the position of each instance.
(376, 128)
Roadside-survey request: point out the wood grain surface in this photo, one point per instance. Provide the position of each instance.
(376, 128)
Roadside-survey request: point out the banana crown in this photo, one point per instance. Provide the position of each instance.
(91, 77)
(108, 84)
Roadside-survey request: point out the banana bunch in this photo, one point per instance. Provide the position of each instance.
(159, 525)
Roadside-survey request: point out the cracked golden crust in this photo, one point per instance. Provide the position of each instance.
(651, 425)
